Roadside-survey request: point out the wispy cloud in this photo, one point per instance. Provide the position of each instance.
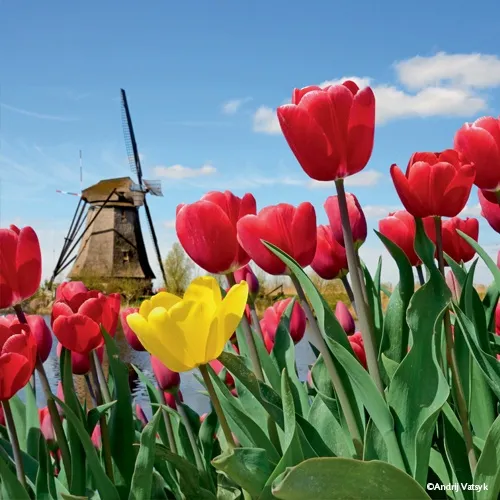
(232, 106)
(182, 172)
(34, 114)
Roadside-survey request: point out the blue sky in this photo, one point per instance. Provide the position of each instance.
(203, 80)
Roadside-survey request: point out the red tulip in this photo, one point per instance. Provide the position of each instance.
(17, 358)
(60, 395)
(330, 130)
(309, 378)
(453, 244)
(497, 319)
(203, 417)
(217, 366)
(434, 184)
(357, 219)
(330, 259)
(41, 332)
(345, 318)
(490, 211)
(141, 416)
(272, 318)
(20, 265)
(167, 379)
(68, 289)
(132, 339)
(268, 341)
(76, 323)
(170, 399)
(96, 437)
(291, 229)
(358, 347)
(207, 230)
(453, 285)
(400, 228)
(479, 142)
(246, 274)
(46, 425)
(80, 363)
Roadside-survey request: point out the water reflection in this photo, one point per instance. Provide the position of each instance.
(190, 387)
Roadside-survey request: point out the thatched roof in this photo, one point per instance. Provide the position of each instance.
(124, 192)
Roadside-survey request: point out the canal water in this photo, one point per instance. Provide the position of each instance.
(190, 387)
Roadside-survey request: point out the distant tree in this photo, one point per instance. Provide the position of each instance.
(179, 269)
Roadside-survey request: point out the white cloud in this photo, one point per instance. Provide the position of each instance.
(34, 114)
(468, 70)
(361, 179)
(440, 85)
(380, 211)
(233, 105)
(182, 172)
(471, 211)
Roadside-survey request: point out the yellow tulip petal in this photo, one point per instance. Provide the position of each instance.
(204, 289)
(169, 339)
(149, 340)
(194, 319)
(145, 308)
(165, 300)
(227, 318)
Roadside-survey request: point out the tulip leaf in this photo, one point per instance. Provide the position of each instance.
(248, 467)
(121, 420)
(374, 300)
(341, 478)
(396, 331)
(490, 302)
(45, 484)
(32, 422)
(10, 485)
(206, 434)
(29, 463)
(416, 402)
(103, 484)
(268, 364)
(488, 364)
(141, 484)
(488, 466)
(19, 415)
(95, 414)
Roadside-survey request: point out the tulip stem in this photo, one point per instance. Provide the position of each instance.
(190, 433)
(455, 374)
(255, 319)
(332, 370)
(252, 347)
(420, 274)
(100, 378)
(14, 441)
(51, 404)
(348, 290)
(363, 312)
(170, 434)
(217, 406)
(106, 445)
(33, 384)
(91, 389)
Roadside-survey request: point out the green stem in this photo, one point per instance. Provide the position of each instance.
(455, 374)
(168, 424)
(420, 274)
(106, 443)
(101, 379)
(190, 433)
(14, 441)
(252, 348)
(348, 290)
(363, 312)
(332, 370)
(217, 406)
(56, 419)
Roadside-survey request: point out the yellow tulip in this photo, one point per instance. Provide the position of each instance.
(186, 333)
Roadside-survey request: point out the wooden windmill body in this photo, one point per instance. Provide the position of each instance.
(105, 231)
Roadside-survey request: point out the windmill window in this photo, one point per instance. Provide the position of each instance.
(124, 216)
(126, 256)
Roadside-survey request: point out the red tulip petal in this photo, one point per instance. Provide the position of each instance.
(8, 274)
(298, 94)
(490, 211)
(78, 333)
(5, 334)
(406, 195)
(94, 309)
(303, 234)
(28, 263)
(15, 372)
(455, 194)
(207, 235)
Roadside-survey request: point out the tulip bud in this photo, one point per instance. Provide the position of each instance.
(272, 317)
(234, 392)
(68, 289)
(203, 417)
(345, 318)
(357, 219)
(96, 437)
(167, 379)
(330, 259)
(46, 426)
(358, 347)
(132, 339)
(268, 341)
(141, 416)
(80, 363)
(246, 274)
(170, 399)
(42, 334)
(217, 366)
(453, 285)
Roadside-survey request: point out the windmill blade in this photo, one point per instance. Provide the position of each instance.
(155, 240)
(128, 132)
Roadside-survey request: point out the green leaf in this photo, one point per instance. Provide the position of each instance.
(418, 388)
(10, 484)
(396, 331)
(345, 478)
(45, 484)
(19, 415)
(140, 488)
(490, 302)
(95, 414)
(103, 484)
(29, 463)
(374, 301)
(488, 466)
(32, 422)
(248, 467)
(121, 420)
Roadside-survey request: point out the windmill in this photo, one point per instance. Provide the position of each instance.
(110, 239)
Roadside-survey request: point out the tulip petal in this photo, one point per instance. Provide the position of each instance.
(145, 308)
(163, 299)
(15, 372)
(8, 275)
(204, 289)
(60, 309)
(77, 333)
(410, 202)
(456, 193)
(303, 234)
(28, 263)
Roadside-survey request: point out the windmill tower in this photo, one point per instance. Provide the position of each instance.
(111, 245)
